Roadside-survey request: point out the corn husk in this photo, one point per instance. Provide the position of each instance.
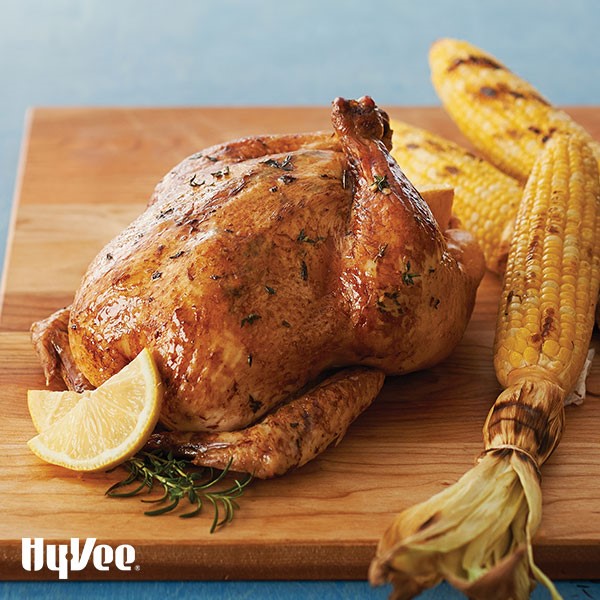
(477, 534)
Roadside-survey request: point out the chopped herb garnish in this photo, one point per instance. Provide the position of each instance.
(109, 256)
(221, 173)
(255, 405)
(380, 184)
(303, 271)
(177, 254)
(195, 183)
(212, 158)
(302, 237)
(215, 277)
(286, 179)
(408, 277)
(270, 290)
(391, 303)
(285, 324)
(273, 189)
(249, 360)
(285, 164)
(156, 275)
(345, 179)
(251, 318)
(163, 213)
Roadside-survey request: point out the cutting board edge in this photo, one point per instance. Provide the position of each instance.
(12, 221)
(215, 562)
(274, 561)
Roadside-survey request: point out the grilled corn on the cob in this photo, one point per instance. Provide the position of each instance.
(551, 284)
(477, 533)
(485, 199)
(504, 117)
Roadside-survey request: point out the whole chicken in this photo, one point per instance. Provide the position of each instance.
(276, 281)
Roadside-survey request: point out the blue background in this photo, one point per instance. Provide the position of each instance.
(268, 52)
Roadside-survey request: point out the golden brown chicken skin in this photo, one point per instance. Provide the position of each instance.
(262, 263)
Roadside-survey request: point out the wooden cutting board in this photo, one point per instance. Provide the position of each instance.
(85, 173)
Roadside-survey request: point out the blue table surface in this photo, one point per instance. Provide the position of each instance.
(265, 52)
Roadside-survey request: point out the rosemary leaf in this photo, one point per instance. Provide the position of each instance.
(194, 512)
(112, 491)
(215, 522)
(163, 510)
(164, 497)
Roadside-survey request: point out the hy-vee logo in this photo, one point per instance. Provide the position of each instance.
(65, 558)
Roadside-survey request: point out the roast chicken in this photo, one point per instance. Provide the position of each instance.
(276, 281)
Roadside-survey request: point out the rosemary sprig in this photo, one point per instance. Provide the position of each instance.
(180, 480)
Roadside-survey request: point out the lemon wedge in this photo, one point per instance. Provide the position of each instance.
(47, 407)
(103, 427)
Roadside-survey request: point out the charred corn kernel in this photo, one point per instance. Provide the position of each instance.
(502, 115)
(531, 326)
(485, 199)
(556, 315)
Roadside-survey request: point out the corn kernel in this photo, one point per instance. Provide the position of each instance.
(550, 348)
(531, 355)
(515, 359)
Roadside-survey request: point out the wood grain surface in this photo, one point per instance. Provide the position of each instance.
(85, 174)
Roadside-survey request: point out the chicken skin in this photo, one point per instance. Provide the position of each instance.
(259, 266)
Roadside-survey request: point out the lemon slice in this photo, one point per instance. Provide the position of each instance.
(105, 426)
(47, 407)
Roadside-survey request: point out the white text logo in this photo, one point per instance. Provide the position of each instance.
(65, 558)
